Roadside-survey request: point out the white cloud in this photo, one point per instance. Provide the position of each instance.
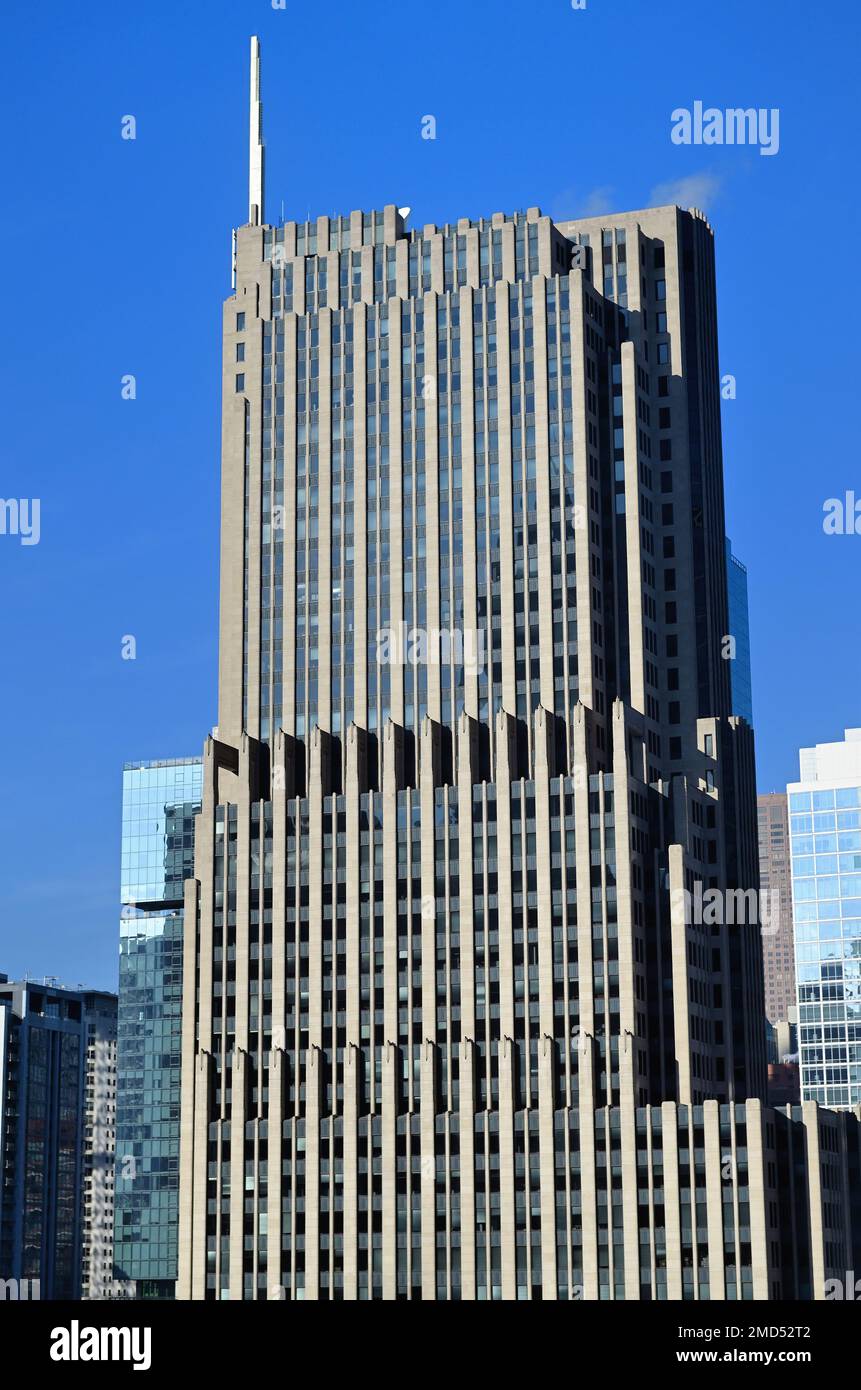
(598, 201)
(570, 204)
(693, 191)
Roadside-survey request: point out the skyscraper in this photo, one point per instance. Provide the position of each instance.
(775, 875)
(451, 1028)
(99, 1145)
(825, 831)
(160, 801)
(56, 1122)
(739, 629)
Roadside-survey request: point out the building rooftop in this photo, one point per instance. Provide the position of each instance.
(833, 762)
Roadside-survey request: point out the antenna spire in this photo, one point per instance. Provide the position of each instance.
(255, 160)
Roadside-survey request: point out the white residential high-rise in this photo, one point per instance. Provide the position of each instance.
(99, 1147)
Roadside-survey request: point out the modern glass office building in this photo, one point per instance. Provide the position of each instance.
(42, 1043)
(825, 833)
(56, 1139)
(739, 627)
(160, 801)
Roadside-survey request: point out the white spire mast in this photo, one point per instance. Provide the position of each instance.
(255, 161)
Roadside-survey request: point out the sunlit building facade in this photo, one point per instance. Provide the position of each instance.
(448, 1029)
(825, 830)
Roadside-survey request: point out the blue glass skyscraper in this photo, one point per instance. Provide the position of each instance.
(825, 835)
(739, 627)
(56, 1140)
(160, 801)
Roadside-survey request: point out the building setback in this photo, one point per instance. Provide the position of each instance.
(448, 1032)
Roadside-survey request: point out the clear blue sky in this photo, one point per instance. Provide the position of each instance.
(116, 258)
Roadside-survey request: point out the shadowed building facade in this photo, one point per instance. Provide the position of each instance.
(447, 1031)
(57, 1127)
(739, 630)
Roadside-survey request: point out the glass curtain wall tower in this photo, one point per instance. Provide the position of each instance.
(825, 836)
(160, 801)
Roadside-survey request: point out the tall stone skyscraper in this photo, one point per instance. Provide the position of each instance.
(449, 1029)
